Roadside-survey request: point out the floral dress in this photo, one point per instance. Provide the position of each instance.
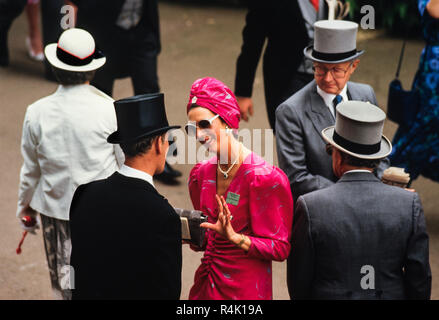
(262, 209)
(417, 148)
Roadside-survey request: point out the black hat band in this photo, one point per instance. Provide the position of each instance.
(356, 147)
(72, 60)
(333, 56)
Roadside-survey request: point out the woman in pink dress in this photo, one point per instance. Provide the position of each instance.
(248, 203)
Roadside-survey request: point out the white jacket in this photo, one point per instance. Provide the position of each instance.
(64, 145)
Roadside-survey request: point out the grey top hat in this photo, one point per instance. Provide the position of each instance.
(335, 41)
(358, 131)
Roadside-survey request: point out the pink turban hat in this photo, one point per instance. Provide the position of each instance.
(214, 95)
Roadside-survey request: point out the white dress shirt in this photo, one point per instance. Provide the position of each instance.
(134, 173)
(329, 98)
(64, 145)
(358, 170)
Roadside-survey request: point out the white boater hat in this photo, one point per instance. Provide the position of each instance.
(358, 131)
(75, 51)
(335, 41)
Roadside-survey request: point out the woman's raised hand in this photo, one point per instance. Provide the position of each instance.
(223, 225)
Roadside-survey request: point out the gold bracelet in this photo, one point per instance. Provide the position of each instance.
(242, 240)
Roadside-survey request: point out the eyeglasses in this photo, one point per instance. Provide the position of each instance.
(336, 72)
(191, 126)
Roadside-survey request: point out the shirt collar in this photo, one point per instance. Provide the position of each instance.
(358, 170)
(134, 173)
(329, 97)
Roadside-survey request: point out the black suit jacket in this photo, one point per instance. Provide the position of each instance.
(99, 15)
(359, 239)
(281, 24)
(99, 18)
(126, 241)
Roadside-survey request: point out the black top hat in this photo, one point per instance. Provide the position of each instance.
(140, 117)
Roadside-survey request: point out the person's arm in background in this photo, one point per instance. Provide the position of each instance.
(253, 35)
(30, 171)
(433, 8)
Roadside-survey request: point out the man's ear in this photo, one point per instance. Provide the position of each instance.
(337, 161)
(355, 65)
(160, 144)
(157, 145)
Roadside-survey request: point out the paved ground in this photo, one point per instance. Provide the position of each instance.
(197, 42)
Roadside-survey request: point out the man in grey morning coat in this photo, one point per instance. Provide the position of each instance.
(359, 238)
(301, 118)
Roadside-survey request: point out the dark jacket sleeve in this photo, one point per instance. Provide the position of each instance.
(301, 264)
(168, 250)
(417, 267)
(98, 12)
(253, 35)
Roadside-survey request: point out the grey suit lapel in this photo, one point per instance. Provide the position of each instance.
(319, 113)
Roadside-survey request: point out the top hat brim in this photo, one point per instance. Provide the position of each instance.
(116, 137)
(385, 148)
(50, 53)
(308, 52)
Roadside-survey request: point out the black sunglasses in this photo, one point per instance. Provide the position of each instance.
(191, 126)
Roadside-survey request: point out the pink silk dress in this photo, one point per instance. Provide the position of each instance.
(264, 213)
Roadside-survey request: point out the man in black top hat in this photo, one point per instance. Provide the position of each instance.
(126, 237)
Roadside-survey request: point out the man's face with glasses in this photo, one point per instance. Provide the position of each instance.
(332, 77)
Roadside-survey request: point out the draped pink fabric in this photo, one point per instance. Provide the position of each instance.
(264, 213)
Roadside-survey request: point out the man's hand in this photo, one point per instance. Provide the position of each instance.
(29, 212)
(223, 225)
(246, 106)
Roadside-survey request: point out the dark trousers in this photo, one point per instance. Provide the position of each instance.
(9, 10)
(133, 54)
(51, 20)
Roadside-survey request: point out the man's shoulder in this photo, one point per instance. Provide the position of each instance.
(318, 196)
(360, 89)
(359, 85)
(43, 102)
(100, 95)
(118, 188)
(92, 187)
(381, 192)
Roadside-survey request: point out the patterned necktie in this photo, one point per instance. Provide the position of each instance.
(338, 98)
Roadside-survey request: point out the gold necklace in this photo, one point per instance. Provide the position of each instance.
(226, 173)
